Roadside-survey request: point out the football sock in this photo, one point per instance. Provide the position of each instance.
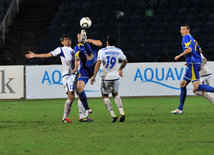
(209, 97)
(83, 99)
(182, 97)
(67, 108)
(206, 88)
(88, 48)
(199, 93)
(119, 104)
(81, 110)
(109, 106)
(206, 95)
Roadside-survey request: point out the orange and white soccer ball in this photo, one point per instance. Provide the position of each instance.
(85, 22)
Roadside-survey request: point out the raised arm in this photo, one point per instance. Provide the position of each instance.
(96, 69)
(33, 55)
(95, 42)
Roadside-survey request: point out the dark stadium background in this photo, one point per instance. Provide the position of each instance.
(149, 31)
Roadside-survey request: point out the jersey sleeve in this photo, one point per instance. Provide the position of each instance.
(56, 52)
(99, 57)
(199, 47)
(77, 52)
(187, 41)
(122, 56)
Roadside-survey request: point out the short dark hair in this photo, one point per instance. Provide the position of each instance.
(111, 39)
(64, 36)
(187, 26)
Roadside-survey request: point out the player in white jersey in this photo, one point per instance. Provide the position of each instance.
(205, 74)
(67, 57)
(108, 59)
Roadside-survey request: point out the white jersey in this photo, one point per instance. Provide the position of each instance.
(67, 57)
(109, 58)
(204, 71)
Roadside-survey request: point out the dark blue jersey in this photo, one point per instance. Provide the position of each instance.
(189, 42)
(86, 67)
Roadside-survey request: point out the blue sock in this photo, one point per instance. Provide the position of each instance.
(206, 88)
(182, 97)
(83, 99)
(88, 48)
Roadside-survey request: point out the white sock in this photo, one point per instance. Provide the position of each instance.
(81, 110)
(209, 97)
(67, 108)
(119, 104)
(199, 93)
(109, 106)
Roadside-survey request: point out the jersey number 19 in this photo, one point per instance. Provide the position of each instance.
(111, 61)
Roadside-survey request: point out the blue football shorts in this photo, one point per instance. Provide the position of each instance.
(192, 73)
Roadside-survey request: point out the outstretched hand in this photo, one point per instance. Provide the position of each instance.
(30, 55)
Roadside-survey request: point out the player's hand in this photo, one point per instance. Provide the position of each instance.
(92, 80)
(177, 57)
(30, 55)
(121, 73)
(74, 71)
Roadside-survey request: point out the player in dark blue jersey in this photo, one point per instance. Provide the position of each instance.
(86, 57)
(193, 59)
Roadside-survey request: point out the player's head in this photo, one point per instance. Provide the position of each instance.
(185, 29)
(111, 40)
(65, 40)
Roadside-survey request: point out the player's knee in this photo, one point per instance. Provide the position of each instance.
(182, 84)
(80, 88)
(70, 95)
(196, 84)
(115, 94)
(117, 97)
(195, 89)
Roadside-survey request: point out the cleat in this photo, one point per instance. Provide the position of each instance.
(177, 111)
(122, 117)
(114, 119)
(85, 120)
(66, 121)
(88, 112)
(83, 34)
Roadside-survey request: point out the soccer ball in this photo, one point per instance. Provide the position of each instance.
(85, 22)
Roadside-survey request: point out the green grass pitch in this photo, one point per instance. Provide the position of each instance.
(34, 127)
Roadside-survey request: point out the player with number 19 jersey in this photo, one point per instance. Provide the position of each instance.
(109, 58)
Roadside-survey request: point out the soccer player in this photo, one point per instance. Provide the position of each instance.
(108, 59)
(205, 74)
(86, 58)
(66, 54)
(193, 59)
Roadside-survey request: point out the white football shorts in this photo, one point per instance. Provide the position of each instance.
(108, 87)
(205, 79)
(69, 83)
